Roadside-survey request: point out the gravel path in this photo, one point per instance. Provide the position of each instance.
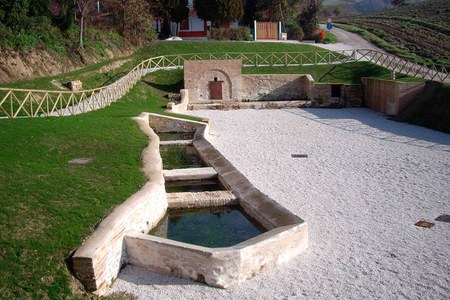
(365, 183)
(347, 41)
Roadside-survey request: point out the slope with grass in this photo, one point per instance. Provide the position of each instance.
(48, 206)
(418, 31)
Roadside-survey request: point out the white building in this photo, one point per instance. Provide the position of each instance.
(194, 27)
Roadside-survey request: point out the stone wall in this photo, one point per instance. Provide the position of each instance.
(221, 267)
(253, 88)
(162, 124)
(98, 261)
(321, 95)
(198, 74)
(352, 95)
(274, 87)
(390, 97)
(183, 105)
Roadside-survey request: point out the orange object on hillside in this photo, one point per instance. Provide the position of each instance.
(323, 34)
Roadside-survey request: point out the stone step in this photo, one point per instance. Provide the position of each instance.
(201, 199)
(189, 174)
(177, 142)
(224, 105)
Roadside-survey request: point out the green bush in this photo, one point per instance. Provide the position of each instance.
(233, 34)
(295, 33)
(25, 41)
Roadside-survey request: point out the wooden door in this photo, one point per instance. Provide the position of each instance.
(215, 90)
(267, 30)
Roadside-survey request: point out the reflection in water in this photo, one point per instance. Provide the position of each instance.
(194, 186)
(179, 157)
(174, 136)
(210, 227)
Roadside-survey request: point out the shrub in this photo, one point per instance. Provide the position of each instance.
(296, 33)
(233, 34)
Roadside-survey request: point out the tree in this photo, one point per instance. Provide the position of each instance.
(178, 11)
(137, 19)
(63, 16)
(307, 19)
(272, 10)
(219, 10)
(170, 10)
(84, 7)
(132, 17)
(231, 10)
(207, 9)
(250, 11)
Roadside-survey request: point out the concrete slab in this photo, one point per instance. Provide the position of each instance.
(225, 105)
(201, 199)
(176, 142)
(189, 174)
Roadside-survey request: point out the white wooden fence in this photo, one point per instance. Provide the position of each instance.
(41, 103)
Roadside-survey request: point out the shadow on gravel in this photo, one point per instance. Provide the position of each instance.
(370, 123)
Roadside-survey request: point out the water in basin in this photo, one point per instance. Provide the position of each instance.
(212, 227)
(175, 136)
(179, 157)
(194, 186)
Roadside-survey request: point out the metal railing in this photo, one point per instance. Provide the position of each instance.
(40, 103)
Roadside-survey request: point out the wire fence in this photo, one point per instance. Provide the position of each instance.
(16, 103)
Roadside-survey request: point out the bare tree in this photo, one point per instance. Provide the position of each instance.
(84, 8)
(133, 18)
(307, 19)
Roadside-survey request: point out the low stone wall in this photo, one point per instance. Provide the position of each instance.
(98, 261)
(201, 199)
(390, 97)
(350, 95)
(221, 267)
(162, 124)
(274, 87)
(182, 106)
(234, 87)
(265, 210)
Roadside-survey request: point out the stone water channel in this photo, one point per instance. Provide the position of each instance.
(205, 221)
(215, 226)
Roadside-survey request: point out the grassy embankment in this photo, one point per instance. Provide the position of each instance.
(47, 206)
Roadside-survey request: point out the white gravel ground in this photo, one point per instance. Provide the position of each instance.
(365, 183)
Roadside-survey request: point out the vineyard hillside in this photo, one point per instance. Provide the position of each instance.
(422, 29)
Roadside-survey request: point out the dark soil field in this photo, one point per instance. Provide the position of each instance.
(422, 29)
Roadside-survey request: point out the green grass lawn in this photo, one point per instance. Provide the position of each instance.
(93, 78)
(48, 206)
(341, 73)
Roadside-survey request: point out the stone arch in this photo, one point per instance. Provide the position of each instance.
(198, 74)
(209, 75)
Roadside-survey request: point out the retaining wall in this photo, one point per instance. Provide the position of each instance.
(98, 261)
(274, 87)
(253, 88)
(121, 238)
(350, 95)
(221, 267)
(390, 97)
